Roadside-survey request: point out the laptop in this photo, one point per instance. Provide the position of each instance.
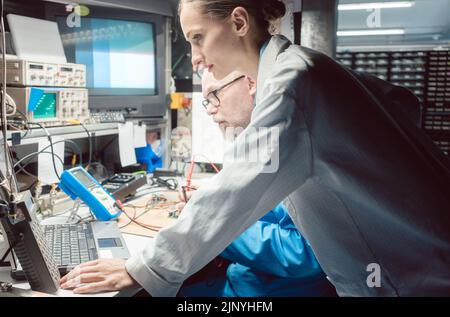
(73, 244)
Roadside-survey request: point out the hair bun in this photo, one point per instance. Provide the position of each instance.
(273, 9)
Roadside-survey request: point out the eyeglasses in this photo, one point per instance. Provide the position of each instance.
(213, 98)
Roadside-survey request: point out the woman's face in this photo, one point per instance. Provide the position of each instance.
(214, 44)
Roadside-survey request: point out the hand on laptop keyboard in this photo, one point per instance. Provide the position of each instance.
(98, 276)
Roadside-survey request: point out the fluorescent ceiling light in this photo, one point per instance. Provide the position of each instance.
(375, 5)
(371, 32)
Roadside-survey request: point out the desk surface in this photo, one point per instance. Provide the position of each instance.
(135, 237)
(135, 243)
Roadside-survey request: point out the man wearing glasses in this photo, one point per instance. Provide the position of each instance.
(271, 258)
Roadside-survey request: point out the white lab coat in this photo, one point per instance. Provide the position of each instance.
(333, 200)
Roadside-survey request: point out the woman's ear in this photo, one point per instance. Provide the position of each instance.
(251, 84)
(240, 20)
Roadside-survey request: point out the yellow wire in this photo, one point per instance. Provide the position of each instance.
(74, 160)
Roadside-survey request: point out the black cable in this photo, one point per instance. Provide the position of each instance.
(11, 246)
(90, 144)
(23, 115)
(2, 260)
(14, 260)
(51, 146)
(77, 148)
(26, 172)
(60, 141)
(82, 125)
(29, 156)
(170, 183)
(26, 122)
(32, 184)
(18, 128)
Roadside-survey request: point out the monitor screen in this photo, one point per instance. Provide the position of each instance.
(119, 55)
(46, 107)
(83, 178)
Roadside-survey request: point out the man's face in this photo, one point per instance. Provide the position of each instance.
(236, 99)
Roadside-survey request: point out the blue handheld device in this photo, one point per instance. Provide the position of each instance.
(78, 183)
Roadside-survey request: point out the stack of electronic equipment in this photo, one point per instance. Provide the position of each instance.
(44, 86)
(48, 93)
(123, 185)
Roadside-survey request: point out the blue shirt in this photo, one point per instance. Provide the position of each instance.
(271, 258)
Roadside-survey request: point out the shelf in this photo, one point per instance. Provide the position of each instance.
(77, 131)
(67, 132)
(426, 73)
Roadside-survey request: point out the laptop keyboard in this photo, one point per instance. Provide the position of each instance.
(71, 244)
